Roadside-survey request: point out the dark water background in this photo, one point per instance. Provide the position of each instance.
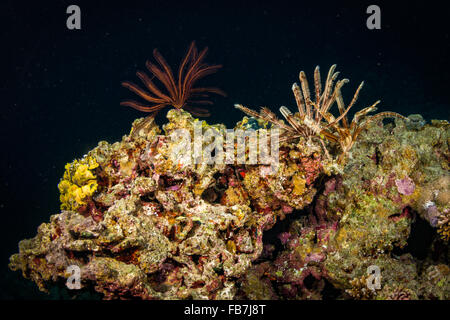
(60, 89)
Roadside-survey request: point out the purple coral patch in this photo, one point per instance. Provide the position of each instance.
(405, 186)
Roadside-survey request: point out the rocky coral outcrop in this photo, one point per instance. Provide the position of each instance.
(158, 227)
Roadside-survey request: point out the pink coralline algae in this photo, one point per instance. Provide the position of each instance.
(287, 209)
(312, 166)
(284, 237)
(405, 186)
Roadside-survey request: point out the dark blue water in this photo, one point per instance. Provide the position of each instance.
(61, 89)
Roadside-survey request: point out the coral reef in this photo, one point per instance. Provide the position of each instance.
(139, 221)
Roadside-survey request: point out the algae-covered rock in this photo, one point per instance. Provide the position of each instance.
(363, 220)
